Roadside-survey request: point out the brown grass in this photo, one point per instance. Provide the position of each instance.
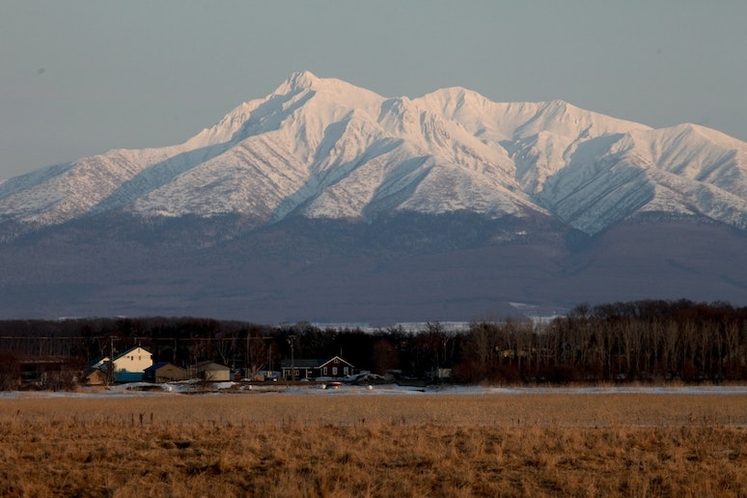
(358, 445)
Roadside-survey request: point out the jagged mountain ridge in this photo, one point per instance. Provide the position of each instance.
(323, 148)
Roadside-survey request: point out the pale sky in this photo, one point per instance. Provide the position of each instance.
(78, 78)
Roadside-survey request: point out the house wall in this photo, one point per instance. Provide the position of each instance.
(217, 375)
(136, 360)
(335, 368)
(125, 376)
(301, 373)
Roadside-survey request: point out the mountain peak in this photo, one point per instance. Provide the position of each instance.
(300, 80)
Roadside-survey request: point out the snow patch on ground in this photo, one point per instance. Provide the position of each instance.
(143, 389)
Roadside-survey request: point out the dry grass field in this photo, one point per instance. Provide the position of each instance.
(340, 445)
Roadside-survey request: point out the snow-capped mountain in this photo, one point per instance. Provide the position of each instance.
(323, 148)
(324, 201)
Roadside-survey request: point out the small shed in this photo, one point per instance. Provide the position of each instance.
(93, 377)
(164, 372)
(210, 371)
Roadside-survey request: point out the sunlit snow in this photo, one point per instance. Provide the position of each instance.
(331, 149)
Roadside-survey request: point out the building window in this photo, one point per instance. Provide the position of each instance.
(324, 371)
(345, 370)
(334, 370)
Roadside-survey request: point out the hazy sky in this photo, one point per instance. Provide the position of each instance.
(81, 77)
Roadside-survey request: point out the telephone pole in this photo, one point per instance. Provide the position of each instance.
(291, 341)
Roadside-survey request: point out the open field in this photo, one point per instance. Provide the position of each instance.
(280, 445)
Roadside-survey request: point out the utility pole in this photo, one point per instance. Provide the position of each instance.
(110, 363)
(291, 341)
(269, 357)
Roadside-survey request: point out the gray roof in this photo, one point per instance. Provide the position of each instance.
(315, 363)
(337, 358)
(209, 365)
(161, 364)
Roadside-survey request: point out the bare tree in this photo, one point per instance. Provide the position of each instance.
(257, 352)
(384, 356)
(10, 371)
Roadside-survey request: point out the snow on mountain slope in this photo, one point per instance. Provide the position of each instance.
(71, 191)
(685, 169)
(694, 153)
(24, 182)
(336, 150)
(325, 148)
(539, 136)
(289, 146)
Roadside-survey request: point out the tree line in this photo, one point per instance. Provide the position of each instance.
(639, 341)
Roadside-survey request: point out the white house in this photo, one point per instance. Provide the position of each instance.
(130, 365)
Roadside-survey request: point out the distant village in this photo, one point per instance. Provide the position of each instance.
(71, 353)
(641, 341)
(136, 365)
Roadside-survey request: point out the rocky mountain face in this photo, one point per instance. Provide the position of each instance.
(327, 202)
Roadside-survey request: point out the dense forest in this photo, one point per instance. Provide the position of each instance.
(641, 341)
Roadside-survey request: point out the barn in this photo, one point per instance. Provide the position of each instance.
(210, 371)
(164, 372)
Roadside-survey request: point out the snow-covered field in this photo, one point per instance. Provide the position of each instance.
(222, 388)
